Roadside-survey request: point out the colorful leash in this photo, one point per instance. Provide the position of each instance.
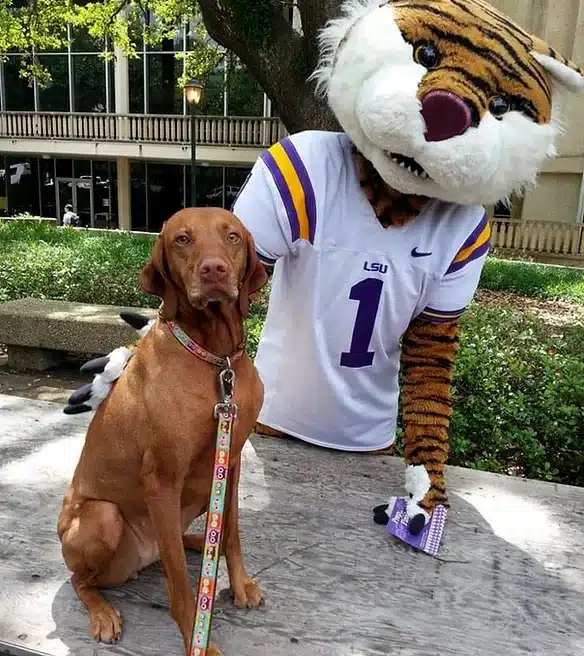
(225, 412)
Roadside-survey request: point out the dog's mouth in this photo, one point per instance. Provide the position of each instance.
(212, 294)
(408, 164)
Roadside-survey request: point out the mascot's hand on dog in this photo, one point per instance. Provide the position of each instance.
(445, 106)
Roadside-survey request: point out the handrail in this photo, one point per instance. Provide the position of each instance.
(242, 131)
(532, 236)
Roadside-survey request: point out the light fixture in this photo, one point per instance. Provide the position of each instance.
(193, 92)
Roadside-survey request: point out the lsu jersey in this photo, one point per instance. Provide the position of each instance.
(345, 289)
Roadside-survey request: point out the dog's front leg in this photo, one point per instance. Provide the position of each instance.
(245, 590)
(162, 497)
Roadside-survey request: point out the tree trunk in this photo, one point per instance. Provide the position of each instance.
(278, 57)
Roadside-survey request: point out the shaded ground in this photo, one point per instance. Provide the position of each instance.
(554, 313)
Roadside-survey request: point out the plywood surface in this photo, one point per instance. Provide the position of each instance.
(509, 579)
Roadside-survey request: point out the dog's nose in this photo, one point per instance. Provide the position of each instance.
(213, 269)
(445, 114)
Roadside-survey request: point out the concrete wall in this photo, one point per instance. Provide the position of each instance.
(554, 199)
(561, 24)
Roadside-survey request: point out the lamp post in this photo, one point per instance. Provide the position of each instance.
(193, 94)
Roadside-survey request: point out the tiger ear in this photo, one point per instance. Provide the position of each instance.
(562, 70)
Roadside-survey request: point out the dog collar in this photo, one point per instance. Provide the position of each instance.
(201, 353)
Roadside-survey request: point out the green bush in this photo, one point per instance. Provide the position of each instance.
(519, 397)
(74, 265)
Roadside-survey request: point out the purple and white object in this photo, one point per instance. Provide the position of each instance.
(428, 540)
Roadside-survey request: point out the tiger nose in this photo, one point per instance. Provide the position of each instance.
(445, 114)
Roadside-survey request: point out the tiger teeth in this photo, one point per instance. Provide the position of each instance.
(409, 167)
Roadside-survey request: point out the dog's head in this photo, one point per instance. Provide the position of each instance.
(203, 256)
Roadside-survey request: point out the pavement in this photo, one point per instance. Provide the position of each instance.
(51, 385)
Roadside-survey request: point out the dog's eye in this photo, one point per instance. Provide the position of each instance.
(233, 238)
(182, 239)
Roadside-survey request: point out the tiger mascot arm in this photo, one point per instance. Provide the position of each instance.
(428, 352)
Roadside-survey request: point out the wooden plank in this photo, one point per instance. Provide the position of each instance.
(508, 581)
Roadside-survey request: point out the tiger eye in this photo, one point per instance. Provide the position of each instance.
(499, 106)
(426, 55)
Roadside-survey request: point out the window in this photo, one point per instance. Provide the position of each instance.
(165, 194)
(245, 96)
(136, 83)
(22, 178)
(164, 94)
(47, 183)
(212, 100)
(89, 83)
(138, 196)
(19, 91)
(55, 96)
(83, 42)
(3, 189)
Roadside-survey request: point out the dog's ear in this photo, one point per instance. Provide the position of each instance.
(155, 279)
(254, 279)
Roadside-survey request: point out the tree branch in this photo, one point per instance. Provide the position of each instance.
(276, 55)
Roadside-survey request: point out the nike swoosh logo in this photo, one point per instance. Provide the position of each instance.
(415, 253)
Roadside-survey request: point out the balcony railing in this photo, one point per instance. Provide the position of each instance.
(144, 128)
(539, 237)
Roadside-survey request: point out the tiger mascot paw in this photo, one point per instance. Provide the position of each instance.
(106, 369)
(420, 502)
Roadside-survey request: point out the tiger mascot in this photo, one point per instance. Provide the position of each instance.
(377, 235)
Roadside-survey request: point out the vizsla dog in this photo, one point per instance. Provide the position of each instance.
(146, 467)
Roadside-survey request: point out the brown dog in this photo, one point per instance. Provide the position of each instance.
(146, 467)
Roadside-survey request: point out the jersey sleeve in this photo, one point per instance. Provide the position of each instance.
(277, 202)
(451, 294)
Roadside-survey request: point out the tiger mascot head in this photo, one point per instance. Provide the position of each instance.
(448, 99)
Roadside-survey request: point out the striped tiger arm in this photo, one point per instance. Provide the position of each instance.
(428, 352)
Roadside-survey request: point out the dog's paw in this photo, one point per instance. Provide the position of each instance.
(106, 623)
(248, 595)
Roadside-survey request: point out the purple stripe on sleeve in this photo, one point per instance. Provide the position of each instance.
(447, 313)
(440, 316)
(285, 195)
(475, 233)
(432, 319)
(310, 199)
(479, 252)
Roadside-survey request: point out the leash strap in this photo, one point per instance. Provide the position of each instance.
(225, 412)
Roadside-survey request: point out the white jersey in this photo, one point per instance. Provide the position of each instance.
(345, 289)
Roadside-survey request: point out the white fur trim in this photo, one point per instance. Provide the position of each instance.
(564, 75)
(332, 35)
(103, 382)
(417, 485)
(390, 504)
(143, 331)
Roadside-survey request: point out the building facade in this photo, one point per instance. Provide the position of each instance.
(111, 135)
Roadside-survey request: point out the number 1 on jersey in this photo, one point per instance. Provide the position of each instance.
(368, 293)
